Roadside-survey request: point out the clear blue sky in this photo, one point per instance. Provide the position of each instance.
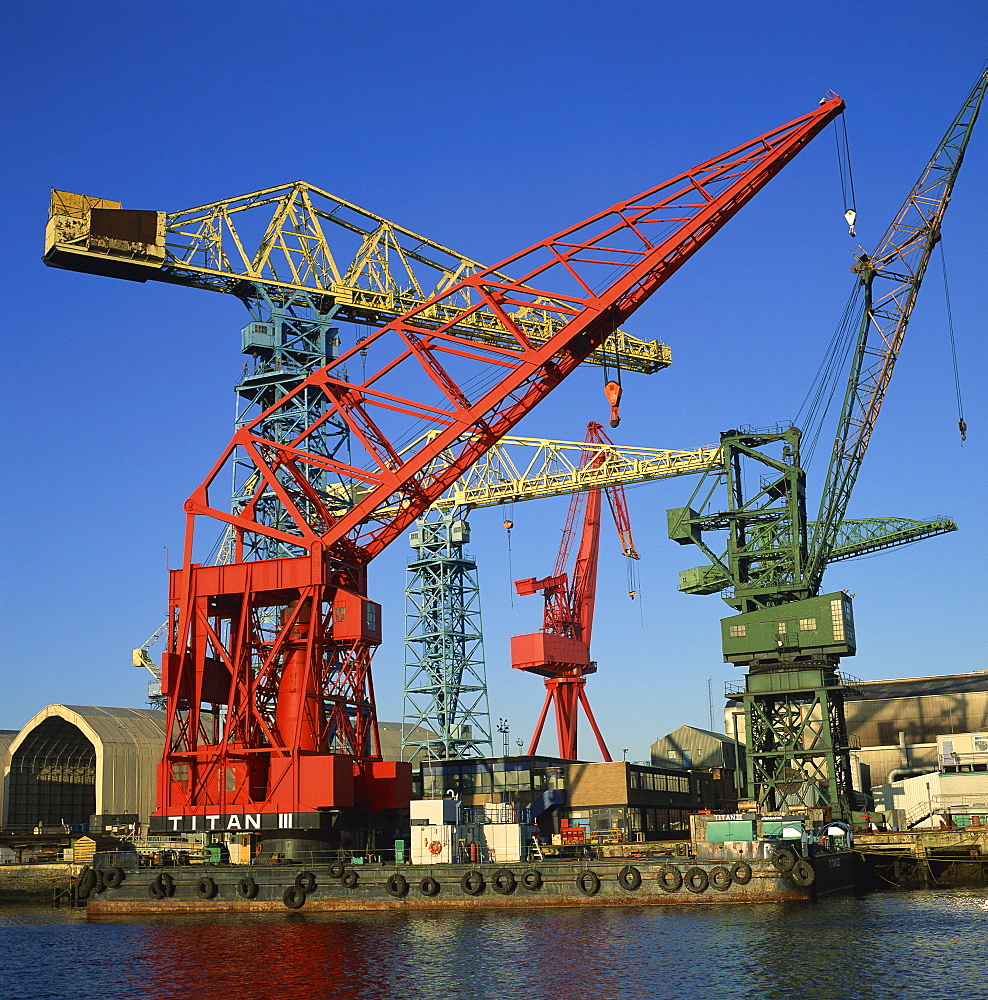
(484, 126)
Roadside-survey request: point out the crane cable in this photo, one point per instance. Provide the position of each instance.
(819, 397)
(961, 423)
(508, 525)
(846, 187)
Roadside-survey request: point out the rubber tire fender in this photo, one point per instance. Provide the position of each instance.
(429, 887)
(336, 869)
(473, 883)
(588, 883)
(397, 886)
(100, 881)
(504, 882)
(305, 881)
(696, 880)
(247, 888)
(783, 859)
(720, 877)
(741, 872)
(114, 876)
(532, 880)
(293, 898)
(85, 883)
(206, 888)
(669, 878)
(167, 883)
(802, 873)
(350, 878)
(630, 878)
(156, 889)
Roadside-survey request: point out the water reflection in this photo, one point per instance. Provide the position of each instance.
(894, 945)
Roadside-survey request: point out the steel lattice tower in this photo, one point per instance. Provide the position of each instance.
(445, 676)
(290, 336)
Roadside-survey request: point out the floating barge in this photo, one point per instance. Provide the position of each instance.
(786, 876)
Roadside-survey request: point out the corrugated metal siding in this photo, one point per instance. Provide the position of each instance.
(705, 748)
(128, 744)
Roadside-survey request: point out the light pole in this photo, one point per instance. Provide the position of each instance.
(504, 729)
(625, 752)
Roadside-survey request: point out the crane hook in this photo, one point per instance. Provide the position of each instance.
(850, 216)
(612, 390)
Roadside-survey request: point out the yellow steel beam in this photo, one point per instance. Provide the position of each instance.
(531, 468)
(520, 468)
(374, 269)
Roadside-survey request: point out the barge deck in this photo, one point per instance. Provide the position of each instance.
(342, 887)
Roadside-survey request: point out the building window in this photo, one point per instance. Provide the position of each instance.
(837, 619)
(807, 624)
(739, 631)
(512, 781)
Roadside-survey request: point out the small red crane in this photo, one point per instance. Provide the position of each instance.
(560, 652)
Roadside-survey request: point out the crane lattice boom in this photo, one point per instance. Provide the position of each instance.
(267, 674)
(284, 244)
(891, 278)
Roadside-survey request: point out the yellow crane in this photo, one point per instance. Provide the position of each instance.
(278, 239)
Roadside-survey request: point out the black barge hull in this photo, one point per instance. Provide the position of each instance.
(338, 887)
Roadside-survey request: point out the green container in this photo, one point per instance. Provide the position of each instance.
(720, 830)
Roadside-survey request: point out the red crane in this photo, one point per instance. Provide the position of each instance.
(561, 651)
(270, 705)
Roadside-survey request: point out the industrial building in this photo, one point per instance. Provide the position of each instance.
(954, 795)
(700, 750)
(94, 768)
(894, 725)
(617, 800)
(72, 762)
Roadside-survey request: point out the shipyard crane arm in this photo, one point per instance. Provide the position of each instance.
(519, 468)
(765, 561)
(301, 247)
(569, 596)
(890, 279)
(142, 654)
(857, 537)
(422, 375)
(865, 536)
(267, 672)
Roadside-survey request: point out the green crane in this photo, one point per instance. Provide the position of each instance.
(788, 635)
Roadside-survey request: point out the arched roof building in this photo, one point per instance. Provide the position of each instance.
(71, 762)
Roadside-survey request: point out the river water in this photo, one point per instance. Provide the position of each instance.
(885, 946)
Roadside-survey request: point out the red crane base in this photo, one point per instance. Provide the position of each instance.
(270, 706)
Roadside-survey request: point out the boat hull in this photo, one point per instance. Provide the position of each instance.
(320, 888)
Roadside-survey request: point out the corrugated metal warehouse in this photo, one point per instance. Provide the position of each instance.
(73, 761)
